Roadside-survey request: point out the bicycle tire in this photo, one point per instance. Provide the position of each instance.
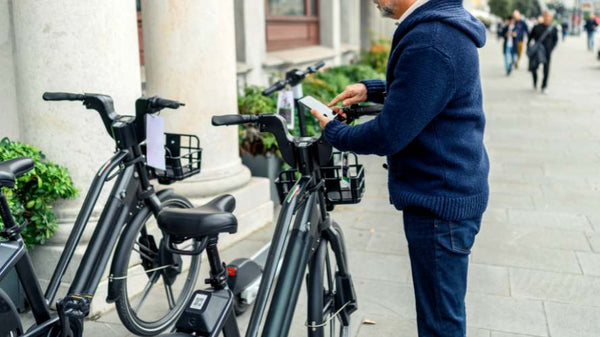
(128, 316)
(323, 304)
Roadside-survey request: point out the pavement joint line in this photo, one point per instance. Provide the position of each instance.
(536, 269)
(579, 263)
(546, 318)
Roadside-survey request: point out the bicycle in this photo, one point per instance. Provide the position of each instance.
(127, 224)
(315, 243)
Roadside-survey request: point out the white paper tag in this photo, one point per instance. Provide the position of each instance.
(155, 148)
(285, 107)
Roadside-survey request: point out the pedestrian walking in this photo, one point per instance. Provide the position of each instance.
(509, 50)
(431, 130)
(565, 28)
(590, 27)
(545, 36)
(522, 31)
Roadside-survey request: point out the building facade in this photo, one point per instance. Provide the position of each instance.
(199, 52)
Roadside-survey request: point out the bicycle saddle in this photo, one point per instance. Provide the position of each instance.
(211, 219)
(11, 169)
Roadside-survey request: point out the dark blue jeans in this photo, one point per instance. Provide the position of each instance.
(439, 257)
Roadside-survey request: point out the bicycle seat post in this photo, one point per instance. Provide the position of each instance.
(218, 272)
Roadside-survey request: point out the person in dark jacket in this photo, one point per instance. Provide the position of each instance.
(545, 34)
(590, 27)
(431, 130)
(522, 31)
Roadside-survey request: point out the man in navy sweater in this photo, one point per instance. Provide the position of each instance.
(431, 130)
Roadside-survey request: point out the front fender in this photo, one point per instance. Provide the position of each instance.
(119, 262)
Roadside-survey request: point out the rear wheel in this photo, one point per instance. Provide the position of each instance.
(323, 304)
(155, 287)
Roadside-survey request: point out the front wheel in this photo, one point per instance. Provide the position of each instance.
(324, 306)
(153, 290)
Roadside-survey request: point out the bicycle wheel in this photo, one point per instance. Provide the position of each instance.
(324, 305)
(168, 278)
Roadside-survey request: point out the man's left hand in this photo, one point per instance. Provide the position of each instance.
(323, 121)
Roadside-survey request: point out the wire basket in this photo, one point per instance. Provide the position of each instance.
(183, 158)
(344, 183)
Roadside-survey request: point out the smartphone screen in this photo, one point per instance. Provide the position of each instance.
(312, 103)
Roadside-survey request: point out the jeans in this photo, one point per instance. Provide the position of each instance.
(439, 257)
(590, 40)
(509, 59)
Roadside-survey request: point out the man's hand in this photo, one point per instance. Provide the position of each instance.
(323, 121)
(353, 94)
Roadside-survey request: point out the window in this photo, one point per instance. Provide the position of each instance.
(292, 23)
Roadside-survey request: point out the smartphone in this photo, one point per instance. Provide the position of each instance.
(311, 103)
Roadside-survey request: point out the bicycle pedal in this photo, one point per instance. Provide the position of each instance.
(206, 312)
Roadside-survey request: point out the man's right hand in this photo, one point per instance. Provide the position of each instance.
(353, 94)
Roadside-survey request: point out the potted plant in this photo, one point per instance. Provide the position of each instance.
(259, 151)
(31, 200)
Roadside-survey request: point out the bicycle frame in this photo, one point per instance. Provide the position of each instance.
(306, 202)
(131, 187)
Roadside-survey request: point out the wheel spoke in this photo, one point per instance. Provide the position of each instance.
(146, 291)
(143, 255)
(146, 249)
(170, 297)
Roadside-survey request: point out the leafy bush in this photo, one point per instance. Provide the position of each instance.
(252, 141)
(377, 56)
(36, 191)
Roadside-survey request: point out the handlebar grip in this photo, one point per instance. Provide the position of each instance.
(319, 65)
(62, 96)
(275, 87)
(158, 102)
(363, 110)
(233, 119)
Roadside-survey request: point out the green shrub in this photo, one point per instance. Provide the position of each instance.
(377, 56)
(252, 141)
(36, 191)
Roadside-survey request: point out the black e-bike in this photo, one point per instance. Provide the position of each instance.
(307, 244)
(127, 225)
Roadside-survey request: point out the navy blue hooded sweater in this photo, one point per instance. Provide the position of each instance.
(431, 127)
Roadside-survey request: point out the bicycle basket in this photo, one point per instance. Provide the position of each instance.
(345, 180)
(183, 157)
(344, 183)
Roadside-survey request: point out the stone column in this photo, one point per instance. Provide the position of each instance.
(350, 21)
(73, 46)
(9, 122)
(251, 39)
(189, 49)
(330, 26)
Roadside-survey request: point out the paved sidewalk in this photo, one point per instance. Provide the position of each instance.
(535, 267)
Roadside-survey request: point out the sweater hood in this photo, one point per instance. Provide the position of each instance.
(450, 12)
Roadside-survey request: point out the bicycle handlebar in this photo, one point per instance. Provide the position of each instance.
(356, 111)
(234, 119)
(62, 96)
(293, 77)
(161, 103)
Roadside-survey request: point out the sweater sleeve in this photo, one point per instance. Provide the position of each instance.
(375, 90)
(424, 84)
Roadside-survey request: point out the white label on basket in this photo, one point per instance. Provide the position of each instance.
(198, 301)
(155, 149)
